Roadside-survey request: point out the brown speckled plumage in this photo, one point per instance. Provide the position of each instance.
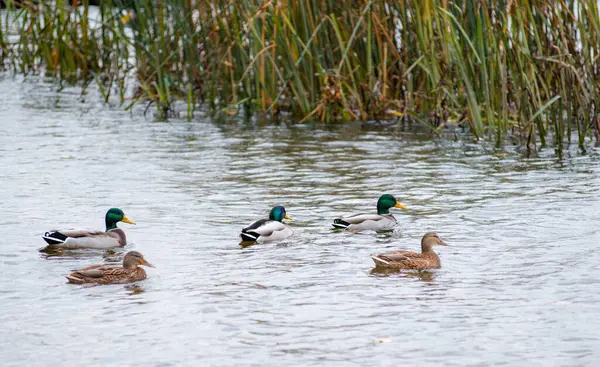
(109, 274)
(407, 260)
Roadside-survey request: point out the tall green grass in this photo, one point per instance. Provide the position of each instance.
(530, 69)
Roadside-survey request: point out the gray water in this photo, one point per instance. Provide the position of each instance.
(519, 282)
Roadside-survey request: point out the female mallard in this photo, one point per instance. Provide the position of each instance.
(382, 220)
(406, 260)
(107, 274)
(113, 237)
(268, 229)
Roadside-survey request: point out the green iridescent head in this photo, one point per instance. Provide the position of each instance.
(278, 214)
(386, 202)
(113, 216)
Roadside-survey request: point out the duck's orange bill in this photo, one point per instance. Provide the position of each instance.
(148, 264)
(399, 205)
(443, 243)
(288, 217)
(127, 220)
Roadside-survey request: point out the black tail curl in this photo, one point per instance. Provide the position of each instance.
(338, 223)
(54, 238)
(249, 235)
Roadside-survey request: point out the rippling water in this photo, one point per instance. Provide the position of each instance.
(519, 281)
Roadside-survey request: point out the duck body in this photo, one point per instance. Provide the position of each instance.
(105, 274)
(409, 260)
(362, 222)
(76, 239)
(383, 220)
(265, 230)
(271, 229)
(110, 274)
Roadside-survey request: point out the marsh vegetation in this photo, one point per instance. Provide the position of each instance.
(528, 69)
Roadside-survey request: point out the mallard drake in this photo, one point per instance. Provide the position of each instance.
(112, 237)
(110, 274)
(382, 220)
(268, 229)
(407, 260)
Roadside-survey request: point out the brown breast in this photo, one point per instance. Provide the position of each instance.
(119, 234)
(139, 274)
(432, 258)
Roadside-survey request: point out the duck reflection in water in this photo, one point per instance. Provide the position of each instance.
(247, 243)
(133, 289)
(56, 253)
(423, 275)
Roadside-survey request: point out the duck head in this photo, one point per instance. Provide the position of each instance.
(134, 259)
(278, 213)
(115, 215)
(429, 240)
(386, 202)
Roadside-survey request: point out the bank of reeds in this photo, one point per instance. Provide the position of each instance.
(527, 68)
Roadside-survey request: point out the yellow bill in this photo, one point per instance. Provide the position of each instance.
(399, 205)
(127, 220)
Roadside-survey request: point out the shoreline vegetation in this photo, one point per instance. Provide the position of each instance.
(528, 69)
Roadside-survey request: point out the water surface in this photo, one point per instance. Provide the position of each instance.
(519, 281)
